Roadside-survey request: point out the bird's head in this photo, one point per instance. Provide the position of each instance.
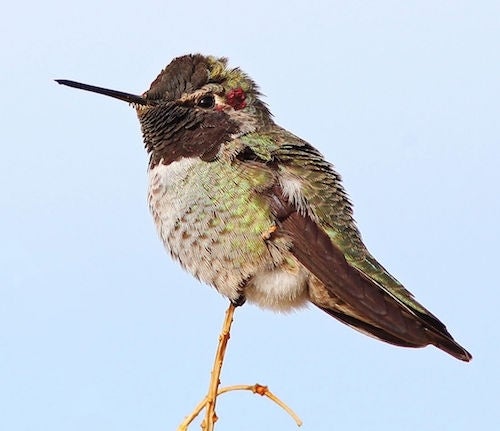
(195, 105)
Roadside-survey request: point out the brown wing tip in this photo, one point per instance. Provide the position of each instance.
(451, 347)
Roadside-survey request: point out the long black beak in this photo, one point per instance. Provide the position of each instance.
(130, 98)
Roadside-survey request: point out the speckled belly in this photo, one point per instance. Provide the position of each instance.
(213, 222)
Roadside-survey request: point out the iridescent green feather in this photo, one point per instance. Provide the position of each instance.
(331, 208)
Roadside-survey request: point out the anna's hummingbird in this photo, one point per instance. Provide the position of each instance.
(258, 213)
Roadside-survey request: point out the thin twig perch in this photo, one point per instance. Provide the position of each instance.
(256, 389)
(213, 389)
(211, 416)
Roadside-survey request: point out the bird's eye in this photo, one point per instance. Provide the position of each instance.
(207, 101)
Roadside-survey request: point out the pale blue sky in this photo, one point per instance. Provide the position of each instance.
(101, 331)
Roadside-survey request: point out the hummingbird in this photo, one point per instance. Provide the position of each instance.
(258, 213)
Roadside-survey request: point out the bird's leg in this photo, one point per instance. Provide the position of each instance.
(211, 417)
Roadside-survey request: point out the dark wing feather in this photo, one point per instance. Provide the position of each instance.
(316, 219)
(376, 311)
